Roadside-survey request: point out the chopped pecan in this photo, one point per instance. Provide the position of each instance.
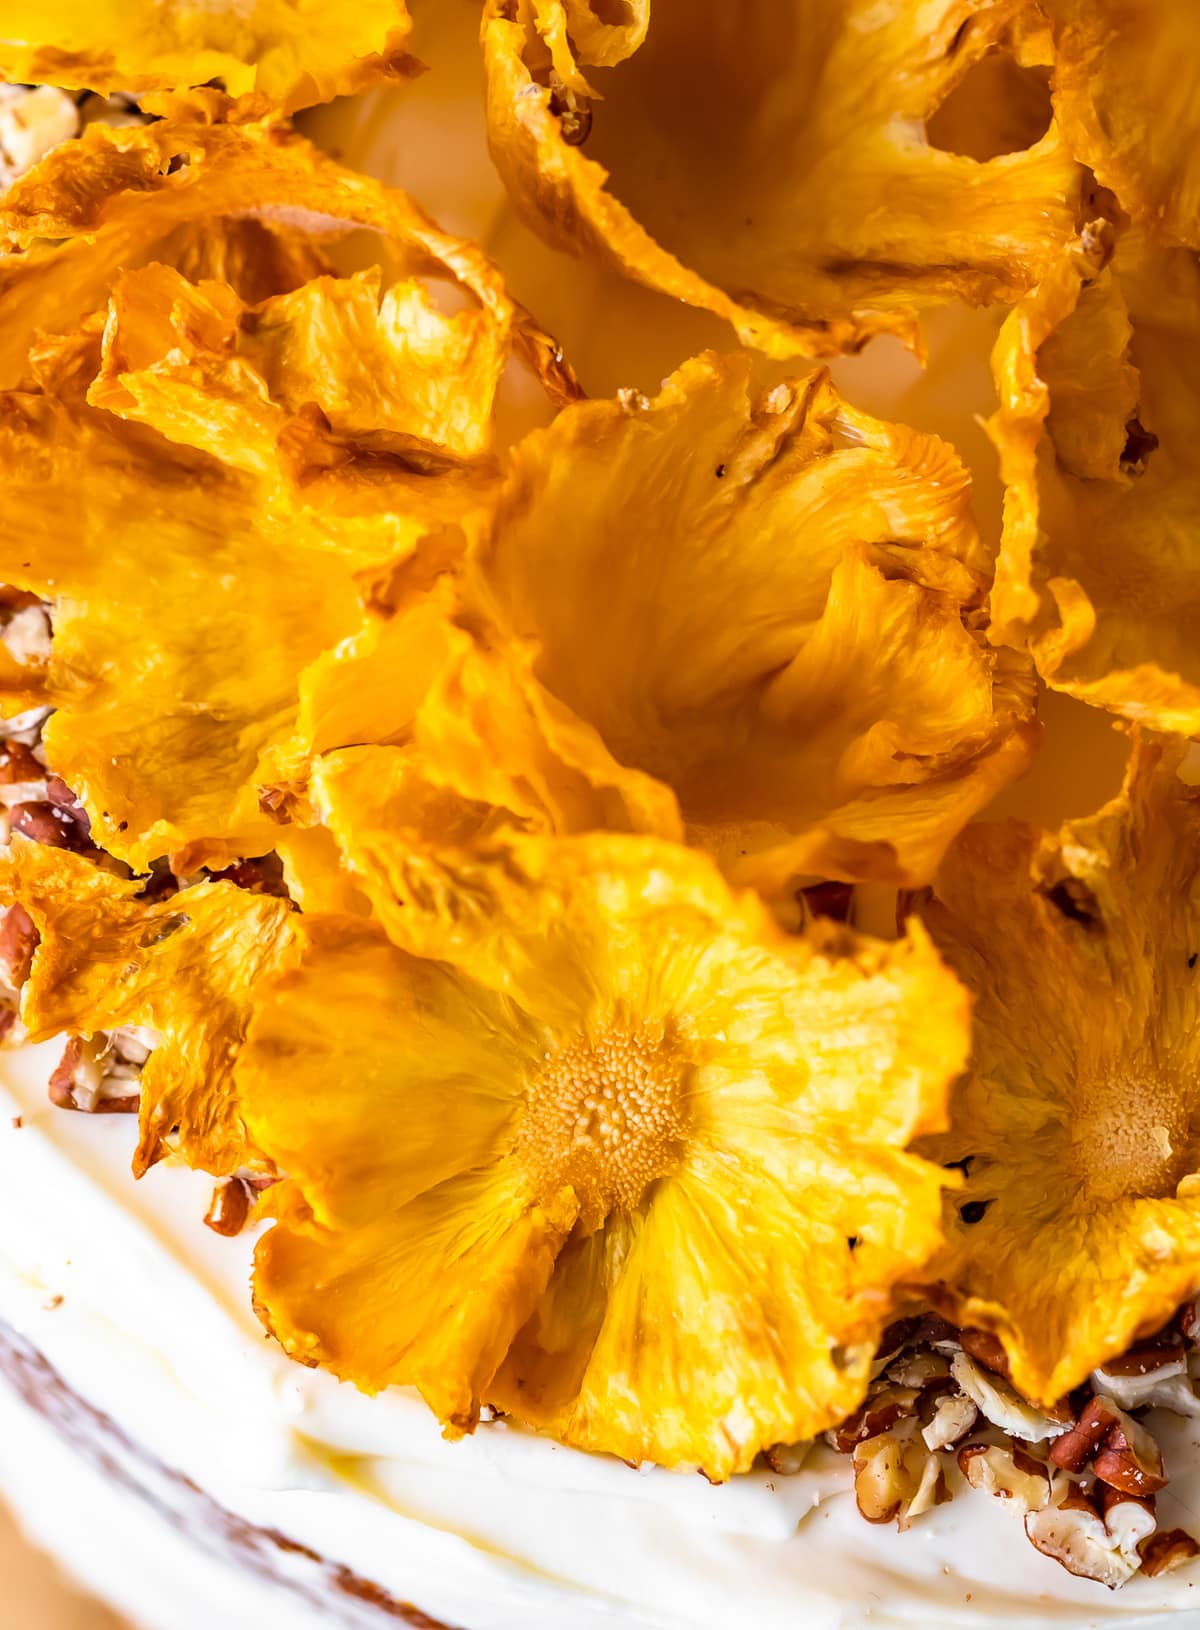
(51, 824)
(932, 1490)
(919, 1369)
(985, 1349)
(954, 1415)
(18, 942)
(999, 1403)
(18, 764)
(1129, 1459)
(229, 1208)
(1078, 1444)
(1152, 1376)
(1147, 1358)
(1008, 1473)
(879, 1413)
(787, 1458)
(1078, 1537)
(263, 875)
(884, 1477)
(1164, 1552)
(84, 1072)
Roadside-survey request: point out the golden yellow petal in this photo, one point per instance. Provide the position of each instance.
(401, 837)
(1126, 108)
(271, 52)
(113, 200)
(185, 966)
(850, 694)
(1099, 417)
(1080, 1117)
(378, 364)
(737, 1313)
(182, 693)
(315, 872)
(169, 684)
(429, 1296)
(619, 1049)
(361, 1042)
(776, 170)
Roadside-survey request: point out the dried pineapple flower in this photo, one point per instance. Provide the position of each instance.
(1097, 430)
(1078, 1126)
(772, 165)
(174, 190)
(750, 621)
(268, 52)
(638, 1178)
(183, 967)
(259, 455)
(1127, 103)
(178, 688)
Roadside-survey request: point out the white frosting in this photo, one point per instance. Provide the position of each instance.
(501, 1532)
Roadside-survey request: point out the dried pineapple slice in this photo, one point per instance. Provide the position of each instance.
(1097, 429)
(184, 967)
(644, 1104)
(172, 191)
(1129, 104)
(772, 165)
(1078, 1126)
(750, 622)
(195, 486)
(268, 53)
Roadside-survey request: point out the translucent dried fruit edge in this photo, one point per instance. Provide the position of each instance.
(751, 618)
(772, 164)
(633, 1169)
(1099, 574)
(1129, 104)
(270, 53)
(234, 436)
(1077, 1230)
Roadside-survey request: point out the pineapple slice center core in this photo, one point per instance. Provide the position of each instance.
(606, 1115)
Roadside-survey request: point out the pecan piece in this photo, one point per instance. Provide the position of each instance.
(985, 1349)
(18, 941)
(229, 1208)
(49, 823)
(878, 1414)
(1000, 1403)
(1129, 1459)
(1078, 1444)
(1164, 1552)
(1088, 1544)
(1010, 1474)
(954, 1415)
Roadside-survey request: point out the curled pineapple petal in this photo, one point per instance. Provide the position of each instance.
(1127, 110)
(847, 721)
(185, 967)
(468, 1066)
(1098, 421)
(269, 53)
(118, 198)
(401, 838)
(625, 1069)
(216, 438)
(775, 170)
(168, 686)
(472, 1256)
(1076, 1231)
(731, 1322)
(204, 367)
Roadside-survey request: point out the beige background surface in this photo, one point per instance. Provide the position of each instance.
(34, 1596)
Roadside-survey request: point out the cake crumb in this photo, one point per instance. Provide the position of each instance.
(51, 1303)
(17, 1123)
